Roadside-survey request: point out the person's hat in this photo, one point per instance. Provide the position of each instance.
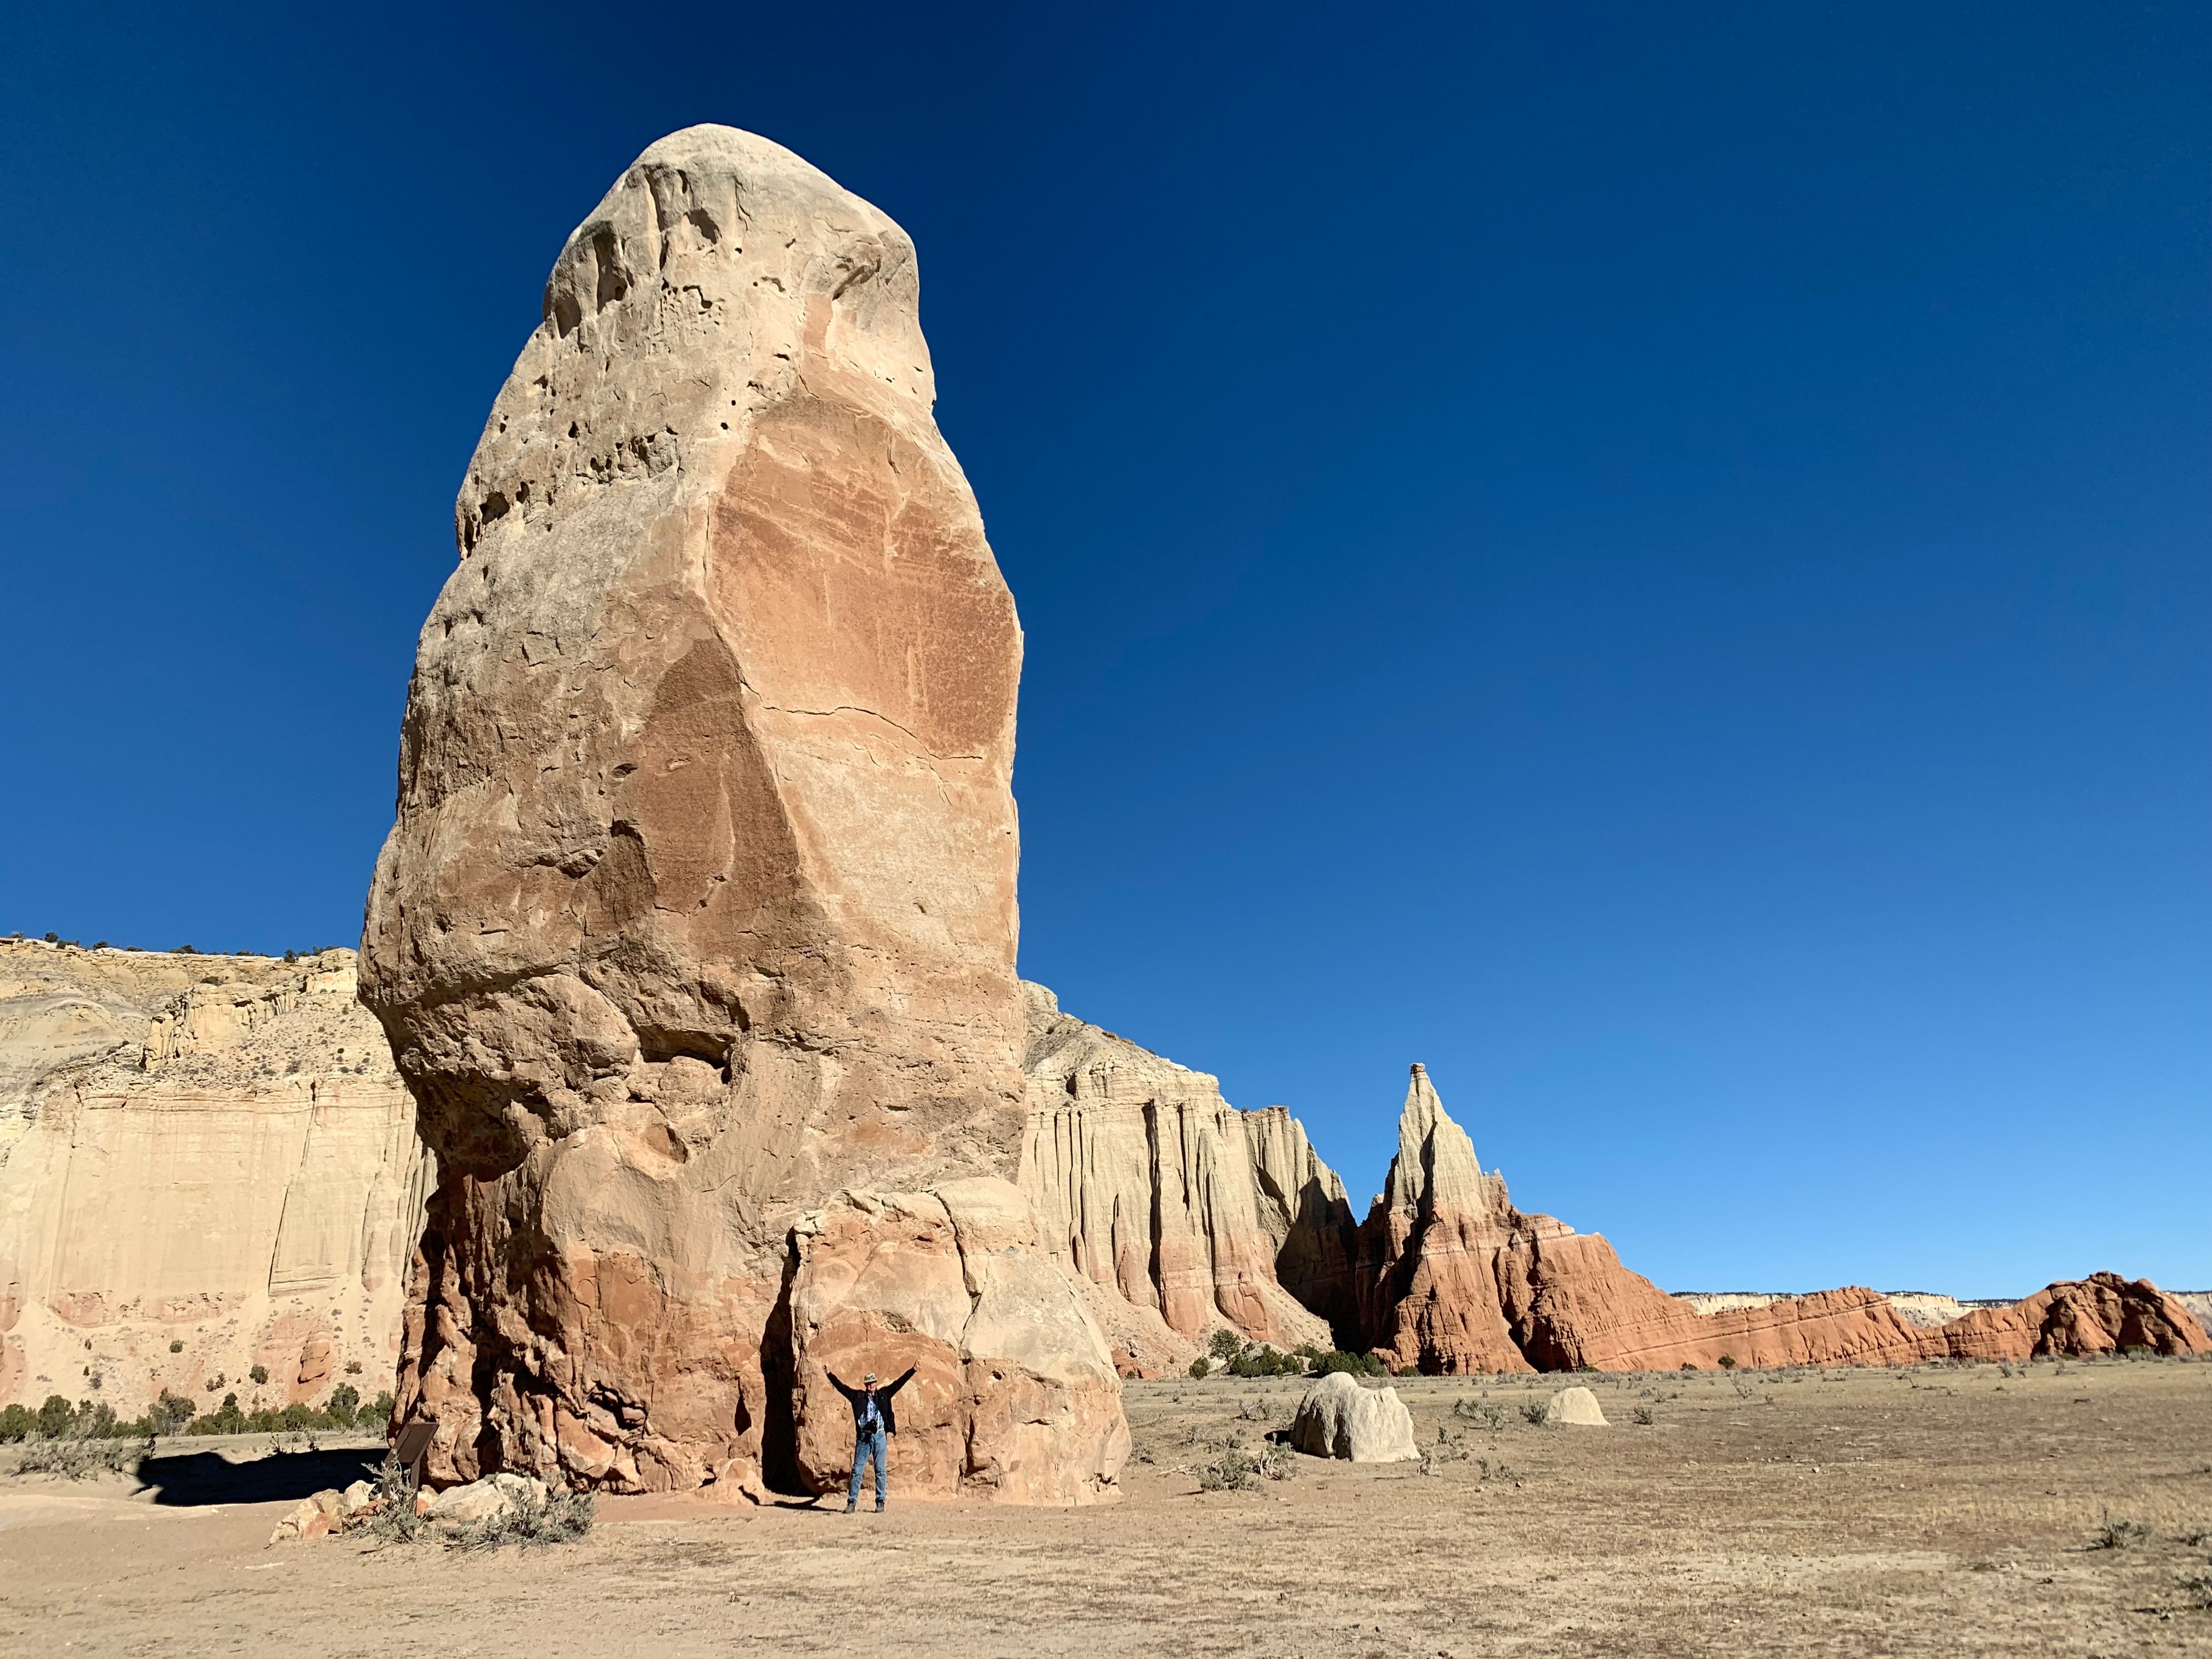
(870, 1377)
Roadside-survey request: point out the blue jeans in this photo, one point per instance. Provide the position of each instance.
(868, 1444)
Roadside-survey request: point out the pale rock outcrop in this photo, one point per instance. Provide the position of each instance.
(1186, 1212)
(1014, 1396)
(1338, 1417)
(1574, 1407)
(699, 906)
(212, 1152)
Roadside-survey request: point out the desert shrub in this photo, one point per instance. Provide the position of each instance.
(176, 1345)
(1226, 1344)
(1641, 1416)
(1533, 1409)
(1490, 1416)
(168, 1414)
(18, 1423)
(1233, 1471)
(1276, 1463)
(392, 1518)
(1200, 1367)
(79, 1457)
(225, 1419)
(1141, 1450)
(1501, 1470)
(561, 1517)
(1728, 1362)
(1358, 1364)
(1259, 1360)
(260, 1373)
(1689, 1365)
(230, 1418)
(2120, 1535)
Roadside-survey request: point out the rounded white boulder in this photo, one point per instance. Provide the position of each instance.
(1340, 1418)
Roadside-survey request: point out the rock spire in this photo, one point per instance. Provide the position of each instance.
(699, 904)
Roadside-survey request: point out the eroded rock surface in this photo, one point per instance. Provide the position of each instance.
(211, 1154)
(700, 903)
(1014, 1395)
(1181, 1213)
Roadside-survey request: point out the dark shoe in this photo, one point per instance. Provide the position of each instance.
(879, 1509)
(849, 1508)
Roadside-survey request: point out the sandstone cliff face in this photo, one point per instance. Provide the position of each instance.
(208, 1150)
(1177, 1212)
(700, 902)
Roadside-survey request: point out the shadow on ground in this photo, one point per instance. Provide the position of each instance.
(190, 1480)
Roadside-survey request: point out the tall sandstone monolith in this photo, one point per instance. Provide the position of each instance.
(699, 907)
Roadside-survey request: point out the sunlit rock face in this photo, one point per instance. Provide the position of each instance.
(700, 902)
(209, 1170)
(1174, 1213)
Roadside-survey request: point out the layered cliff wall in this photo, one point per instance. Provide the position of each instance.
(1183, 1213)
(208, 1163)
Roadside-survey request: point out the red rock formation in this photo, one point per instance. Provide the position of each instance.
(699, 905)
(2101, 1314)
(1453, 1278)
(1427, 1277)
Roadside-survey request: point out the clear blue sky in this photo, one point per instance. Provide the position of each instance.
(1653, 559)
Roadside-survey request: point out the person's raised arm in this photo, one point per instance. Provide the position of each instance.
(901, 1383)
(837, 1383)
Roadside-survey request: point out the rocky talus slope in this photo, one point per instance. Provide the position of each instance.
(207, 1164)
(699, 907)
(1175, 1211)
(1453, 1278)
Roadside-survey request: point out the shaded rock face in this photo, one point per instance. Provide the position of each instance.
(699, 902)
(1338, 1418)
(212, 1152)
(1180, 1213)
(1014, 1395)
(1454, 1279)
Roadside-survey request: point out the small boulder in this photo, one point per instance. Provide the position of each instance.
(308, 1519)
(1576, 1408)
(357, 1501)
(1338, 1418)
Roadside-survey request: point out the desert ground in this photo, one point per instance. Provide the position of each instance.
(1935, 1509)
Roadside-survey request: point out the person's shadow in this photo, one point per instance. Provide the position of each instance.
(196, 1480)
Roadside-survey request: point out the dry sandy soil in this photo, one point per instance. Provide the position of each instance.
(1935, 1510)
